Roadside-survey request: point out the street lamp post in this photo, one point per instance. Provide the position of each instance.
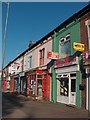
(4, 40)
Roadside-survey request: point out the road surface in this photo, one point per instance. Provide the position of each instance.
(16, 106)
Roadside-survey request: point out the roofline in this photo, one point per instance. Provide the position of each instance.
(73, 17)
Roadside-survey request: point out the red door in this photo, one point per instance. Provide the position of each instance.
(46, 87)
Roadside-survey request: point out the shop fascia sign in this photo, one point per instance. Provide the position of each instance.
(78, 46)
(39, 71)
(52, 55)
(16, 76)
(65, 62)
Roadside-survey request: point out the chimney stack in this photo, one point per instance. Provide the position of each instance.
(30, 43)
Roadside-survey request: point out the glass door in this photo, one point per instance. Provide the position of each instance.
(39, 87)
(66, 88)
(73, 88)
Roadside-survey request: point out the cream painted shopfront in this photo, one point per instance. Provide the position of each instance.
(68, 81)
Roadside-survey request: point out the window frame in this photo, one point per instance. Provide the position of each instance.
(63, 43)
(30, 61)
(41, 58)
(87, 23)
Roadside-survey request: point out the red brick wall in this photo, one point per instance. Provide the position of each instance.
(84, 40)
(83, 30)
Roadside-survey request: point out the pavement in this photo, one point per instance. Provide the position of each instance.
(19, 106)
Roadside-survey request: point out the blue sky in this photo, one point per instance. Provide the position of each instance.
(0, 34)
(31, 21)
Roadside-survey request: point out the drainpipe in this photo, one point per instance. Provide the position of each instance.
(54, 80)
(18, 83)
(87, 90)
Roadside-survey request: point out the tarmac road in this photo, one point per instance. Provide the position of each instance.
(17, 106)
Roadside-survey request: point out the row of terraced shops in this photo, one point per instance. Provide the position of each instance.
(34, 83)
(52, 69)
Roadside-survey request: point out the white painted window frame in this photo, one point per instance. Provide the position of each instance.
(87, 23)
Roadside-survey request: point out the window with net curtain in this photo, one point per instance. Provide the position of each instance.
(65, 46)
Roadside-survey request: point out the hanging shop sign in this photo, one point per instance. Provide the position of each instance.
(78, 46)
(17, 64)
(52, 55)
(86, 58)
(22, 74)
(65, 62)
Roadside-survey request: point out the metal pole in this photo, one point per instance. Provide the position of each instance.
(4, 40)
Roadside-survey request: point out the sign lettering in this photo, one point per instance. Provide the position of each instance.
(65, 62)
(52, 55)
(78, 46)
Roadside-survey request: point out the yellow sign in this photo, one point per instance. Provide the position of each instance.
(78, 46)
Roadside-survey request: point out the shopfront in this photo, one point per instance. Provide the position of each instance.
(4, 84)
(8, 83)
(86, 63)
(88, 87)
(16, 83)
(23, 83)
(12, 83)
(31, 83)
(68, 80)
(66, 88)
(38, 84)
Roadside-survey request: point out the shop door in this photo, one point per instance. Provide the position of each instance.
(73, 91)
(23, 86)
(66, 88)
(16, 84)
(39, 87)
(72, 99)
(44, 84)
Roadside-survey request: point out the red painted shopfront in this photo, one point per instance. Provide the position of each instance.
(38, 83)
(4, 85)
(12, 84)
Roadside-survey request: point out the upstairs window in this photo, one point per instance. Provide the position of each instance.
(30, 62)
(22, 62)
(87, 23)
(65, 46)
(42, 53)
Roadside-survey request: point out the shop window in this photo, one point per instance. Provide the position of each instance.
(39, 76)
(65, 46)
(22, 62)
(64, 86)
(42, 54)
(73, 75)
